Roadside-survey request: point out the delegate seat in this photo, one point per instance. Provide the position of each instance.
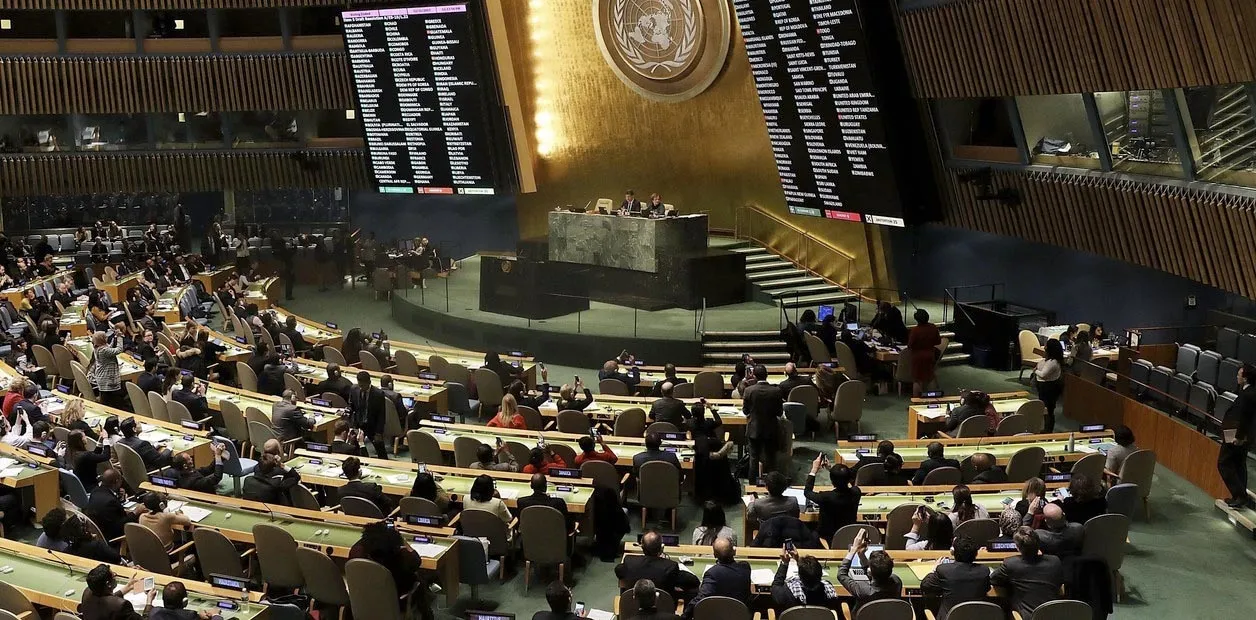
(1228, 342)
(1228, 375)
(1208, 367)
(1187, 358)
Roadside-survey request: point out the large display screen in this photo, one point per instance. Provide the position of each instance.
(815, 83)
(428, 99)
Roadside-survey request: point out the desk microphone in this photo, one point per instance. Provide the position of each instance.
(269, 510)
(61, 561)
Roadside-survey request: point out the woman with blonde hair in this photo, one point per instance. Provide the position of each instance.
(16, 391)
(72, 418)
(509, 416)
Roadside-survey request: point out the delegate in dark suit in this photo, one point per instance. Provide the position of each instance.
(368, 491)
(929, 465)
(955, 583)
(149, 382)
(671, 410)
(152, 457)
(763, 404)
(105, 509)
(1232, 459)
(108, 607)
(731, 579)
(1033, 581)
(665, 574)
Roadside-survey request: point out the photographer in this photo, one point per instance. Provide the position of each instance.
(105, 370)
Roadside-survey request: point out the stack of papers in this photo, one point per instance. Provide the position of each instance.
(399, 479)
(507, 493)
(933, 414)
(195, 513)
(139, 599)
(598, 614)
(11, 472)
(798, 495)
(6, 462)
(427, 550)
(762, 576)
(332, 472)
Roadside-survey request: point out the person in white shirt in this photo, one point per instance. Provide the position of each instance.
(17, 435)
(1049, 376)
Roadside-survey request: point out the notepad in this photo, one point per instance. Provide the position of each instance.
(508, 493)
(1084, 449)
(11, 472)
(139, 599)
(932, 414)
(6, 462)
(195, 513)
(399, 479)
(598, 614)
(762, 576)
(427, 550)
(332, 472)
(174, 505)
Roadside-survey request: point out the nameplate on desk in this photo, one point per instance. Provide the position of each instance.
(228, 582)
(563, 488)
(330, 325)
(439, 431)
(318, 447)
(871, 437)
(229, 605)
(1001, 546)
(188, 424)
(932, 394)
(517, 353)
(672, 436)
(429, 376)
(1097, 440)
(447, 419)
(1064, 477)
(320, 402)
(1093, 428)
(862, 451)
(162, 481)
(64, 389)
(422, 540)
(241, 340)
(425, 520)
(672, 450)
(831, 365)
(37, 449)
(934, 406)
(564, 472)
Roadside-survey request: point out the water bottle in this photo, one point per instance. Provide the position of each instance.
(1070, 442)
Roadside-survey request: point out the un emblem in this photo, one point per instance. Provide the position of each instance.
(666, 50)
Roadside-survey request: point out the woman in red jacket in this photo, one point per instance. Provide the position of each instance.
(508, 416)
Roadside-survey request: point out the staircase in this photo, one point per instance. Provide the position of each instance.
(726, 348)
(954, 353)
(776, 280)
(1229, 134)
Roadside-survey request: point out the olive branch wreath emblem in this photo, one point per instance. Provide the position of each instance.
(688, 42)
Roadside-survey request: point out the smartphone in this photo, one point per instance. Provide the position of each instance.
(149, 583)
(422, 468)
(499, 442)
(541, 364)
(789, 544)
(579, 608)
(577, 378)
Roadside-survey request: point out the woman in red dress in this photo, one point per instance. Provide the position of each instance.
(921, 343)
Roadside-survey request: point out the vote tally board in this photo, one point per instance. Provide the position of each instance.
(810, 66)
(421, 90)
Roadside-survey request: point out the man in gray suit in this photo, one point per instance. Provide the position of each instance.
(775, 503)
(1033, 578)
(1058, 536)
(764, 404)
(960, 581)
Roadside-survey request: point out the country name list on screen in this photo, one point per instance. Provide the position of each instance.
(808, 59)
(420, 100)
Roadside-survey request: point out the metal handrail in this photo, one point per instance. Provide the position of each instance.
(744, 229)
(948, 293)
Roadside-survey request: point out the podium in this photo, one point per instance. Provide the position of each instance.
(516, 287)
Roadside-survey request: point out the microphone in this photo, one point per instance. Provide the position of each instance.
(61, 561)
(269, 510)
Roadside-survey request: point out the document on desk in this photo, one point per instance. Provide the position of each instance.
(196, 513)
(331, 472)
(762, 576)
(598, 614)
(11, 472)
(427, 550)
(507, 493)
(798, 496)
(932, 414)
(7, 462)
(140, 598)
(399, 479)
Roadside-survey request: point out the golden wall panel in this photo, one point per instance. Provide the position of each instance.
(103, 85)
(982, 48)
(709, 154)
(1205, 236)
(182, 171)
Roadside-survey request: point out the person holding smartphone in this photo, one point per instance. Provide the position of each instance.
(589, 453)
(496, 459)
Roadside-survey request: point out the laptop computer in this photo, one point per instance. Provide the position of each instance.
(857, 570)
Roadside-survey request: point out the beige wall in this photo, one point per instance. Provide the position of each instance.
(710, 153)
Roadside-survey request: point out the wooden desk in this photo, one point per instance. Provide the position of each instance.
(957, 398)
(397, 478)
(180, 440)
(324, 418)
(910, 566)
(1055, 444)
(128, 367)
(471, 360)
(235, 518)
(877, 501)
(167, 307)
(433, 393)
(15, 293)
(624, 447)
(925, 420)
(36, 472)
(606, 408)
(46, 580)
(650, 375)
(118, 288)
(317, 334)
(211, 280)
(264, 293)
